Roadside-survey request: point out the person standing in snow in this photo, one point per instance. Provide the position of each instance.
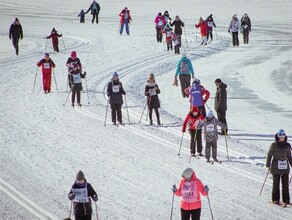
(234, 28)
(185, 72)
(210, 124)
(115, 99)
(204, 30)
(178, 24)
(278, 160)
(195, 134)
(82, 16)
(73, 61)
(55, 41)
(211, 24)
(160, 23)
(94, 8)
(166, 16)
(47, 66)
(168, 36)
(220, 102)
(151, 91)
(125, 20)
(190, 188)
(245, 26)
(75, 76)
(16, 33)
(81, 194)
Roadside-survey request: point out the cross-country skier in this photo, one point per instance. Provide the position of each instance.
(94, 8)
(125, 20)
(278, 160)
(73, 60)
(168, 36)
(81, 194)
(16, 33)
(204, 30)
(234, 28)
(55, 41)
(160, 23)
(166, 16)
(190, 189)
(211, 24)
(178, 24)
(75, 76)
(245, 26)
(47, 65)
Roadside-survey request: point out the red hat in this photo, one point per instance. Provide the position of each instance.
(194, 109)
(73, 54)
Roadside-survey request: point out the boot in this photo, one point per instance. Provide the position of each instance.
(158, 122)
(150, 122)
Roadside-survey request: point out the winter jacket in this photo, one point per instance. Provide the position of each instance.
(46, 65)
(114, 92)
(168, 35)
(234, 25)
(75, 77)
(198, 94)
(15, 31)
(160, 21)
(204, 28)
(210, 22)
(185, 66)
(245, 24)
(220, 101)
(152, 90)
(76, 61)
(55, 36)
(82, 208)
(280, 154)
(190, 192)
(191, 120)
(125, 14)
(210, 128)
(94, 7)
(177, 26)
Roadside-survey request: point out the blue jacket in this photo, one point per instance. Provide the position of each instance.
(189, 71)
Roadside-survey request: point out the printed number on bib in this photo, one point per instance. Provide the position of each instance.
(152, 92)
(47, 66)
(116, 88)
(282, 164)
(210, 128)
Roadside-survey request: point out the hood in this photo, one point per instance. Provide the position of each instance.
(222, 85)
(184, 59)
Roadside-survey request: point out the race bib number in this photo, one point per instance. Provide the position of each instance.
(210, 23)
(282, 164)
(116, 88)
(76, 78)
(47, 66)
(160, 23)
(152, 92)
(210, 128)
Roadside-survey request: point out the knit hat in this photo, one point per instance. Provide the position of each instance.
(184, 55)
(218, 80)
(159, 13)
(234, 16)
(196, 81)
(281, 133)
(73, 54)
(201, 19)
(80, 175)
(47, 55)
(187, 173)
(16, 19)
(210, 114)
(115, 75)
(194, 109)
(54, 30)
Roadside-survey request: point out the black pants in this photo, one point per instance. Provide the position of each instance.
(202, 110)
(178, 36)
(210, 34)
(116, 111)
(197, 142)
(235, 38)
(158, 35)
(186, 214)
(15, 44)
(78, 94)
(82, 20)
(56, 48)
(156, 112)
(185, 82)
(285, 187)
(176, 49)
(245, 36)
(84, 217)
(94, 16)
(221, 115)
(169, 46)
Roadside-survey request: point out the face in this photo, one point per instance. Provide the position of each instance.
(217, 84)
(46, 58)
(80, 181)
(195, 113)
(282, 138)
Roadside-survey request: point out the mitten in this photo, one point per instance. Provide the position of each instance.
(206, 188)
(174, 189)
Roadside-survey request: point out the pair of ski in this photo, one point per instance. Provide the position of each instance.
(118, 124)
(281, 204)
(208, 161)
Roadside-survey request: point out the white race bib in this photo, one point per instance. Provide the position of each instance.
(81, 195)
(210, 128)
(152, 92)
(76, 78)
(160, 23)
(116, 88)
(47, 66)
(282, 164)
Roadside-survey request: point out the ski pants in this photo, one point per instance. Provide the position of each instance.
(15, 41)
(212, 144)
(94, 16)
(178, 36)
(116, 111)
(221, 115)
(210, 33)
(204, 40)
(194, 213)
(185, 82)
(159, 34)
(285, 187)
(156, 112)
(245, 33)
(78, 94)
(126, 23)
(202, 110)
(235, 38)
(47, 81)
(176, 49)
(83, 217)
(196, 142)
(56, 48)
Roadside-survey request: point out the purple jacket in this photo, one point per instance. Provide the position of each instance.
(196, 93)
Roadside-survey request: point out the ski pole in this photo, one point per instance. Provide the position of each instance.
(186, 37)
(208, 106)
(264, 182)
(36, 72)
(226, 143)
(55, 79)
(127, 108)
(290, 180)
(148, 101)
(210, 207)
(63, 43)
(96, 211)
(196, 35)
(142, 112)
(70, 210)
(46, 45)
(67, 97)
(86, 88)
(194, 144)
(106, 113)
(181, 140)
(216, 33)
(172, 206)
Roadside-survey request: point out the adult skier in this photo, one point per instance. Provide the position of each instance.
(178, 24)
(204, 30)
(55, 41)
(166, 16)
(73, 61)
(234, 28)
(75, 76)
(278, 160)
(211, 24)
(81, 194)
(125, 20)
(190, 189)
(47, 65)
(15, 33)
(94, 8)
(245, 25)
(159, 25)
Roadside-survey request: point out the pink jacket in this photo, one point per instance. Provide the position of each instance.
(160, 21)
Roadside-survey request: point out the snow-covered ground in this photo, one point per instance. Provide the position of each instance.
(132, 168)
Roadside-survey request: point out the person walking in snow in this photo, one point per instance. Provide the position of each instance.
(115, 99)
(178, 24)
(195, 134)
(82, 16)
(220, 103)
(204, 30)
(168, 36)
(81, 194)
(159, 25)
(234, 28)
(210, 124)
(151, 91)
(73, 61)
(166, 16)
(278, 160)
(245, 25)
(16, 33)
(185, 71)
(190, 189)
(55, 41)
(94, 8)
(47, 65)
(125, 20)
(211, 24)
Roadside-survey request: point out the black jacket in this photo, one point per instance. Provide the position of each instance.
(220, 102)
(15, 31)
(115, 91)
(177, 26)
(152, 90)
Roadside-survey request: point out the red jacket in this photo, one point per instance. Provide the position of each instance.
(204, 28)
(54, 36)
(46, 65)
(123, 14)
(184, 191)
(191, 120)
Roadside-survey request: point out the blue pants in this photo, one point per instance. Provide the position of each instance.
(126, 23)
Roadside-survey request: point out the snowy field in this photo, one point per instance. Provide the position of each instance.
(133, 167)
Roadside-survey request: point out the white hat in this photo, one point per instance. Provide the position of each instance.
(187, 173)
(210, 114)
(184, 55)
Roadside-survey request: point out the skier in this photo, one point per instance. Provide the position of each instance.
(168, 36)
(234, 27)
(125, 20)
(211, 24)
(54, 35)
(114, 92)
(195, 134)
(82, 16)
(176, 43)
(16, 33)
(204, 30)
(190, 188)
(75, 76)
(210, 124)
(186, 72)
(47, 65)
(178, 24)
(80, 195)
(280, 156)
(245, 25)
(73, 60)
(151, 91)
(94, 8)
(166, 16)
(160, 23)
(220, 102)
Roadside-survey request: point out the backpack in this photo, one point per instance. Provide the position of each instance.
(184, 66)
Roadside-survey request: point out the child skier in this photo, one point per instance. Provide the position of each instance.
(82, 16)
(75, 76)
(151, 91)
(204, 30)
(114, 92)
(168, 36)
(160, 23)
(176, 43)
(47, 65)
(55, 41)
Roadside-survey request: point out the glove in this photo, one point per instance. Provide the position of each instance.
(206, 188)
(183, 130)
(9, 37)
(249, 30)
(228, 30)
(84, 73)
(72, 196)
(124, 93)
(174, 189)
(95, 198)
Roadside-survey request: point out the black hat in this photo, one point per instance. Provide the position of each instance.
(80, 175)
(218, 80)
(53, 30)
(16, 19)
